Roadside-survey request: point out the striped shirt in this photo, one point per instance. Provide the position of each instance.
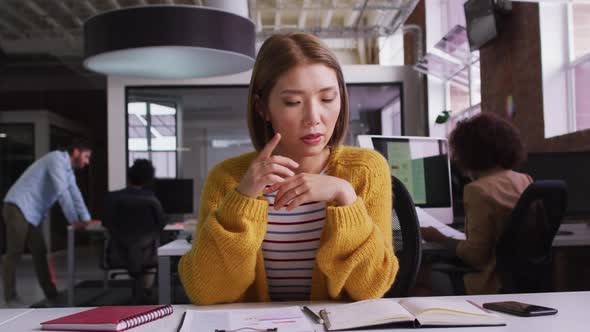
(289, 248)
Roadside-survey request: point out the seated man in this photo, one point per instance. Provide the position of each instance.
(134, 218)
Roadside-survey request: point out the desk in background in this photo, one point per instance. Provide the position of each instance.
(580, 237)
(175, 248)
(96, 227)
(572, 307)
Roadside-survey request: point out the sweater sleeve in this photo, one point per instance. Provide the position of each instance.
(480, 227)
(220, 266)
(357, 254)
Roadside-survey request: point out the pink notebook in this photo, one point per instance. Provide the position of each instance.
(108, 318)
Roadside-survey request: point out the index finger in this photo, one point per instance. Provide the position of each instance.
(266, 152)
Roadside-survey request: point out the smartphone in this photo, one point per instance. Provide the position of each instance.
(520, 309)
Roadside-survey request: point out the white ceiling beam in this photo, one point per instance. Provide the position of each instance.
(70, 12)
(258, 21)
(351, 19)
(278, 9)
(327, 18)
(393, 13)
(303, 15)
(89, 6)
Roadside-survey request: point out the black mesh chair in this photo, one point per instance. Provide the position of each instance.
(406, 240)
(523, 253)
(133, 224)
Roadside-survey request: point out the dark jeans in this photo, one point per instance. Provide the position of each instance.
(18, 234)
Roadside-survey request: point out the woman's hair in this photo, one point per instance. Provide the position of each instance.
(141, 173)
(279, 54)
(484, 142)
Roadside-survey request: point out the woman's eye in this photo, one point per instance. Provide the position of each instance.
(328, 100)
(291, 103)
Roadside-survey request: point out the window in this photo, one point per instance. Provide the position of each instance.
(581, 28)
(580, 65)
(151, 134)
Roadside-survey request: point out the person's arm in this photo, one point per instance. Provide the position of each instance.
(220, 266)
(78, 200)
(481, 229)
(357, 254)
(62, 179)
(161, 217)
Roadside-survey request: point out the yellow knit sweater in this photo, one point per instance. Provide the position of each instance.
(355, 258)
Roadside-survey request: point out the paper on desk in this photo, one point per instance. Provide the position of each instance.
(287, 319)
(426, 220)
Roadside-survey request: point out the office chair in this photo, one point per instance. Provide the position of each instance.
(133, 232)
(523, 253)
(406, 240)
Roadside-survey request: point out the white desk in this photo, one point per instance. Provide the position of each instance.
(175, 248)
(96, 227)
(11, 314)
(580, 237)
(572, 307)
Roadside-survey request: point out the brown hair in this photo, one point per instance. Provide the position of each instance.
(278, 54)
(486, 141)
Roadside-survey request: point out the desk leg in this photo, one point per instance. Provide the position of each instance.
(164, 280)
(71, 266)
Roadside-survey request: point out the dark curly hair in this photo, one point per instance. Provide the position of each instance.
(484, 142)
(141, 173)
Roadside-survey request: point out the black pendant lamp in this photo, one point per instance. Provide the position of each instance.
(169, 42)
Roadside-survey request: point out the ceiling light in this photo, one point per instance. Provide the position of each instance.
(169, 42)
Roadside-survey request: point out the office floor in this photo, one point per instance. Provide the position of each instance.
(87, 259)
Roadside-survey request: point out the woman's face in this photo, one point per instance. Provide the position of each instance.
(303, 106)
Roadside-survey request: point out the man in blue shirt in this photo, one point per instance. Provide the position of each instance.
(46, 181)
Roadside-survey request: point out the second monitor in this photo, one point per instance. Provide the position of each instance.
(422, 165)
(175, 195)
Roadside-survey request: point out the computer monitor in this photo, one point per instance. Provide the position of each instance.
(571, 167)
(422, 165)
(176, 195)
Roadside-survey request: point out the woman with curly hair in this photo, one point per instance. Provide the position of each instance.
(486, 148)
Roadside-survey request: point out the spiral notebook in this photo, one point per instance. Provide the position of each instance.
(108, 318)
(410, 312)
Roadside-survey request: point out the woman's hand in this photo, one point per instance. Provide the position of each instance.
(303, 188)
(266, 170)
(431, 234)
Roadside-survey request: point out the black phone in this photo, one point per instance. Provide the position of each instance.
(520, 309)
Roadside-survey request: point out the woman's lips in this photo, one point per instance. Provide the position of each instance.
(312, 139)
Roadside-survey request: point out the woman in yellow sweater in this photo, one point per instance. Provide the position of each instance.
(302, 217)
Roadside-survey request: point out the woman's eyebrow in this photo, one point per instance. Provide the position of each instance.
(300, 92)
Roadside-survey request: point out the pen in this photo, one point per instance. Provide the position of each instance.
(313, 315)
(181, 322)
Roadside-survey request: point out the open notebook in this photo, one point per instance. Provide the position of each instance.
(284, 319)
(411, 312)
